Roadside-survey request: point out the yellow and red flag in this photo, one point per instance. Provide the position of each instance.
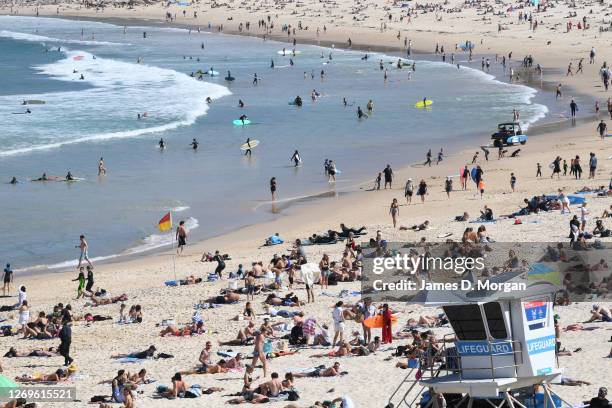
(165, 223)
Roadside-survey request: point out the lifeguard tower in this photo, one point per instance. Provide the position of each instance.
(502, 342)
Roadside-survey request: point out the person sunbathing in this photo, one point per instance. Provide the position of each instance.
(138, 378)
(224, 299)
(321, 371)
(97, 301)
(189, 330)
(244, 337)
(344, 349)
(51, 352)
(62, 374)
(141, 355)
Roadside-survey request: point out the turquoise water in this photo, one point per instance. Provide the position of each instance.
(215, 188)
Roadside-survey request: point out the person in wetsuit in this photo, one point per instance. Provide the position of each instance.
(194, 144)
(69, 176)
(243, 118)
(296, 158)
(360, 113)
(14, 180)
(248, 151)
(297, 101)
(240, 103)
(162, 144)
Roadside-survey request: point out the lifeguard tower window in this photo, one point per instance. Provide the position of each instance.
(466, 322)
(495, 320)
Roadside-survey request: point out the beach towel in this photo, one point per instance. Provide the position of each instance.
(479, 221)
(129, 360)
(171, 283)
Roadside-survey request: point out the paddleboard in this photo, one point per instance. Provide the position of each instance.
(238, 122)
(35, 102)
(421, 104)
(230, 78)
(49, 178)
(376, 322)
(288, 52)
(253, 143)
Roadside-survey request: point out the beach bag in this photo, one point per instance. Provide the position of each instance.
(293, 395)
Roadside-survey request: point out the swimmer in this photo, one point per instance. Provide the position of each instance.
(297, 101)
(240, 103)
(162, 144)
(101, 168)
(14, 180)
(194, 144)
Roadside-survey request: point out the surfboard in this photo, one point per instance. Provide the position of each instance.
(421, 104)
(253, 143)
(239, 122)
(473, 173)
(230, 78)
(376, 322)
(211, 73)
(288, 52)
(49, 178)
(35, 102)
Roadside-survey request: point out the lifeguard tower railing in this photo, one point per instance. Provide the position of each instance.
(447, 361)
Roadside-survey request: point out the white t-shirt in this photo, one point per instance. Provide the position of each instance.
(337, 315)
(22, 296)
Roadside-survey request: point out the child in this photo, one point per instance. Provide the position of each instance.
(81, 279)
(512, 181)
(481, 187)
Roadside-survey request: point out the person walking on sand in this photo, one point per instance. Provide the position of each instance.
(556, 165)
(258, 351)
(65, 336)
(512, 182)
(539, 170)
(440, 156)
(481, 187)
(558, 93)
(394, 211)
(331, 172)
(592, 165)
(181, 237)
(387, 329)
(464, 177)
(577, 168)
(448, 186)
(388, 172)
(84, 247)
(601, 128)
(409, 190)
(428, 159)
(422, 191)
(8, 279)
(273, 188)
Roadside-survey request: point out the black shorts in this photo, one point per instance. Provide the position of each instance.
(182, 241)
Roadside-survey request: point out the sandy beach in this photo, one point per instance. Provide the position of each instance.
(370, 379)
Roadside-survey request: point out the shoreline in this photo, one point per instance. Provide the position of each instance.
(540, 127)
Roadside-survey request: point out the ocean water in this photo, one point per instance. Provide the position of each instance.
(215, 189)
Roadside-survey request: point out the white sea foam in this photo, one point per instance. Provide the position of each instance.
(148, 243)
(43, 39)
(171, 99)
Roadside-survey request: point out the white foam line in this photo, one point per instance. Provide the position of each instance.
(40, 38)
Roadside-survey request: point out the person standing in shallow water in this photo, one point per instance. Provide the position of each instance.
(273, 188)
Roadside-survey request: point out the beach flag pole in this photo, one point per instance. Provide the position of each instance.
(165, 224)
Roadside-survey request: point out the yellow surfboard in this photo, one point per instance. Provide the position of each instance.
(423, 104)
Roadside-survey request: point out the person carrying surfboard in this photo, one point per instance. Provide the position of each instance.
(248, 150)
(296, 158)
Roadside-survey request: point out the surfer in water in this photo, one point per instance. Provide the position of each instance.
(208, 99)
(14, 180)
(81, 77)
(43, 177)
(272, 63)
(370, 106)
(162, 143)
(360, 113)
(248, 150)
(243, 118)
(296, 158)
(69, 176)
(297, 101)
(240, 103)
(255, 80)
(194, 144)
(28, 110)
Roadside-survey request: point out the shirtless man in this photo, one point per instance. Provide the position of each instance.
(84, 247)
(204, 359)
(242, 336)
(101, 168)
(258, 353)
(181, 237)
(271, 388)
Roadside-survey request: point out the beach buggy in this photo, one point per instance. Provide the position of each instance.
(508, 134)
